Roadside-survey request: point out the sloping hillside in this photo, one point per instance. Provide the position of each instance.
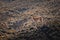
(29, 19)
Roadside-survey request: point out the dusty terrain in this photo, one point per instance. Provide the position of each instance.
(29, 19)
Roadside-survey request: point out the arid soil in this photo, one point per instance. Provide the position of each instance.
(29, 19)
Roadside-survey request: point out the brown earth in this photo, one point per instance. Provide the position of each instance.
(23, 19)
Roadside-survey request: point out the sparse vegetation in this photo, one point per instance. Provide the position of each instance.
(29, 19)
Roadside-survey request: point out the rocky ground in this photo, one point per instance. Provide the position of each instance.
(29, 19)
